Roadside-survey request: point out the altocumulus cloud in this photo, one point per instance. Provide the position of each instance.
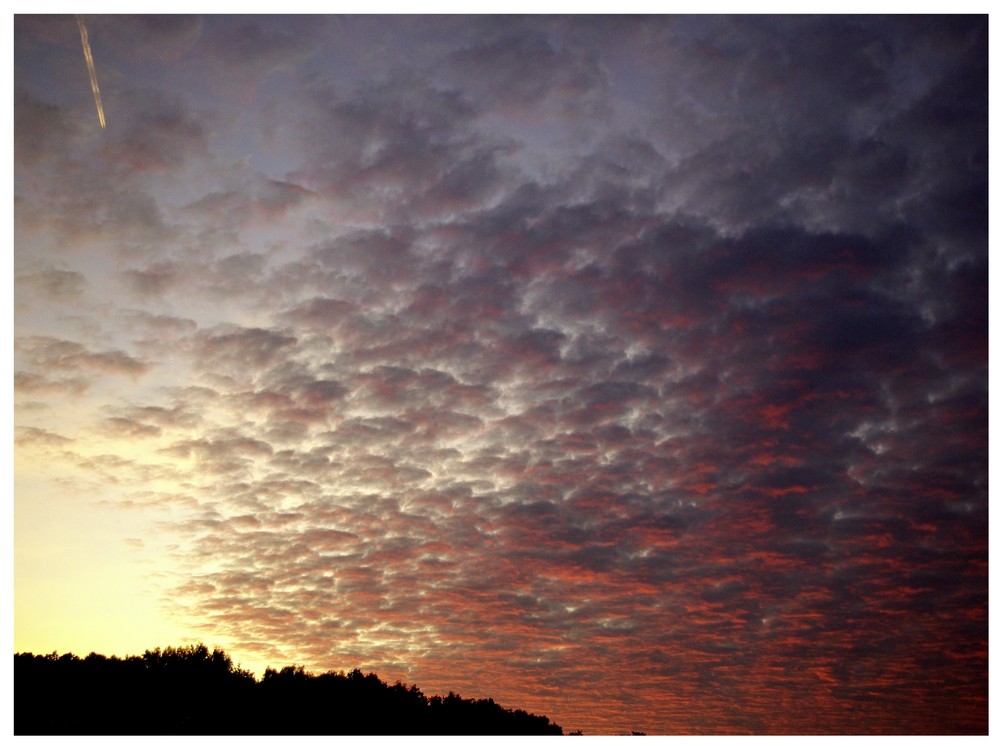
(630, 370)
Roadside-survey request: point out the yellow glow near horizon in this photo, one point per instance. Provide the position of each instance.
(85, 570)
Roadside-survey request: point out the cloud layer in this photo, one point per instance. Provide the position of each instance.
(632, 371)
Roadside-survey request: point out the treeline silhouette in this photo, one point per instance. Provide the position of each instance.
(191, 690)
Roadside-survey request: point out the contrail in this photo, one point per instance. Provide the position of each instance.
(90, 68)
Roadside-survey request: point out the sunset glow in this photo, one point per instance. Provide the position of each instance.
(627, 370)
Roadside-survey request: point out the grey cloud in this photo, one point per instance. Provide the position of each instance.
(613, 394)
(234, 274)
(158, 133)
(298, 392)
(178, 416)
(29, 382)
(162, 325)
(35, 30)
(236, 348)
(397, 386)
(91, 208)
(261, 47)
(113, 361)
(375, 430)
(241, 274)
(648, 368)
(535, 348)
(947, 128)
(155, 279)
(405, 145)
(42, 132)
(523, 68)
(162, 37)
(224, 455)
(30, 405)
(815, 119)
(54, 284)
(444, 424)
(32, 436)
(321, 314)
(51, 353)
(322, 391)
(625, 171)
(477, 176)
(119, 427)
(132, 215)
(469, 300)
(259, 198)
(380, 256)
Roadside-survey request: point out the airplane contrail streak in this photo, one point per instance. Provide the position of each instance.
(84, 39)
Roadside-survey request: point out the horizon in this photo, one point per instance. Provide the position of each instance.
(629, 370)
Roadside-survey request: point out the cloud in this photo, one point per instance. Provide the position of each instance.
(262, 46)
(520, 68)
(118, 427)
(321, 314)
(30, 436)
(42, 130)
(157, 133)
(54, 284)
(397, 147)
(264, 199)
(236, 349)
(164, 38)
(153, 416)
(155, 279)
(28, 382)
(51, 353)
(162, 326)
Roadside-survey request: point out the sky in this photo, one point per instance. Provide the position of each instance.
(627, 370)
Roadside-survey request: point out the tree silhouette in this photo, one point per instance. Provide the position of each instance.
(191, 690)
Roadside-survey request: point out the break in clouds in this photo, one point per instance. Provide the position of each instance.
(631, 370)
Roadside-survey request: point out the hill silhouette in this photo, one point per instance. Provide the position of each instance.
(191, 690)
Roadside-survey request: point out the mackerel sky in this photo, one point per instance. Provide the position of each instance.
(628, 370)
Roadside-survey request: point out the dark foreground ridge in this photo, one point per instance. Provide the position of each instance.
(190, 690)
